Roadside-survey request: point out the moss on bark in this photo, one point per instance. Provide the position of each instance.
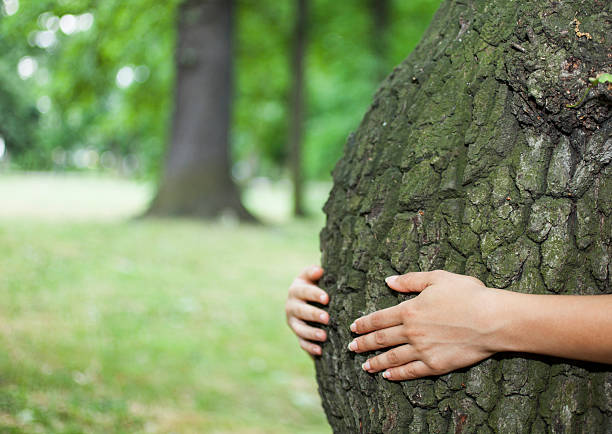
(470, 161)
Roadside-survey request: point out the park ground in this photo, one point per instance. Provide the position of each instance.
(115, 324)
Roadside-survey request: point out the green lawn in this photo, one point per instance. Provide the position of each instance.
(149, 326)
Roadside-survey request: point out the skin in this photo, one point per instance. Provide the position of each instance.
(302, 290)
(456, 321)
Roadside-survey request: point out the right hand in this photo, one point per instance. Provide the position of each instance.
(302, 290)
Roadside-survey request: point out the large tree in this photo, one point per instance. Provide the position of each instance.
(196, 179)
(296, 104)
(469, 160)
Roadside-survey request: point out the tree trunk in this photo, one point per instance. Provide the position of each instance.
(196, 179)
(380, 9)
(296, 105)
(469, 160)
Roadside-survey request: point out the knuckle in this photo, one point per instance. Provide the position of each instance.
(407, 309)
(302, 311)
(311, 313)
(406, 278)
(407, 332)
(438, 273)
(476, 280)
(289, 312)
(375, 363)
(376, 321)
(435, 364)
(380, 337)
(406, 372)
(359, 327)
(393, 357)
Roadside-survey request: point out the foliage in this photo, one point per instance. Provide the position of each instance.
(74, 103)
(601, 78)
(73, 83)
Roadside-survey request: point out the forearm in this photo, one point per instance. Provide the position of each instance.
(574, 327)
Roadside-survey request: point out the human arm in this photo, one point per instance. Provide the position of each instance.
(456, 321)
(298, 311)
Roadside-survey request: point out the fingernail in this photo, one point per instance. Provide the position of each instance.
(322, 298)
(390, 279)
(386, 374)
(320, 335)
(323, 317)
(353, 345)
(366, 365)
(354, 328)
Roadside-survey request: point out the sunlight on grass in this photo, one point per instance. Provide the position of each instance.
(151, 326)
(70, 196)
(93, 197)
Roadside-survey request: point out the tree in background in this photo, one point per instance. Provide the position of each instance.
(196, 178)
(296, 104)
(95, 87)
(469, 160)
(380, 10)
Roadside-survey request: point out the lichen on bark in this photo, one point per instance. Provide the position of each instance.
(469, 160)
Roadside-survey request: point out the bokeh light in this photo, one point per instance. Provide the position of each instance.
(26, 67)
(10, 7)
(125, 77)
(68, 24)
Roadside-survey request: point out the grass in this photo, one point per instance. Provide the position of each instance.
(149, 326)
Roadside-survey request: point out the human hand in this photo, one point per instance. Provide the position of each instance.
(449, 325)
(298, 311)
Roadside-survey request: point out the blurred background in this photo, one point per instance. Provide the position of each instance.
(113, 110)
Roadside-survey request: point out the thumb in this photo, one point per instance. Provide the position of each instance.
(412, 282)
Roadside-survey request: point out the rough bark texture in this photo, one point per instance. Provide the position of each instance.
(469, 161)
(196, 179)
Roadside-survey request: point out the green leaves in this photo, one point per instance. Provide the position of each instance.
(603, 77)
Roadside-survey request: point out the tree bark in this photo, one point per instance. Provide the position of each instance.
(196, 180)
(469, 160)
(296, 105)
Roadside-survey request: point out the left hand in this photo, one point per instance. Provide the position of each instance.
(450, 325)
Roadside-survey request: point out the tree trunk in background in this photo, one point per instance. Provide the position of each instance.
(296, 104)
(380, 9)
(469, 161)
(196, 180)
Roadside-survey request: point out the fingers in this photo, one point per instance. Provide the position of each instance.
(383, 338)
(303, 330)
(378, 320)
(311, 273)
(309, 347)
(308, 292)
(410, 371)
(414, 282)
(389, 359)
(306, 312)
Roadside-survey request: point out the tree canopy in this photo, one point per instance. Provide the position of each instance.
(89, 84)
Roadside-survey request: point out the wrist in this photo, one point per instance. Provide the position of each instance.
(505, 321)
